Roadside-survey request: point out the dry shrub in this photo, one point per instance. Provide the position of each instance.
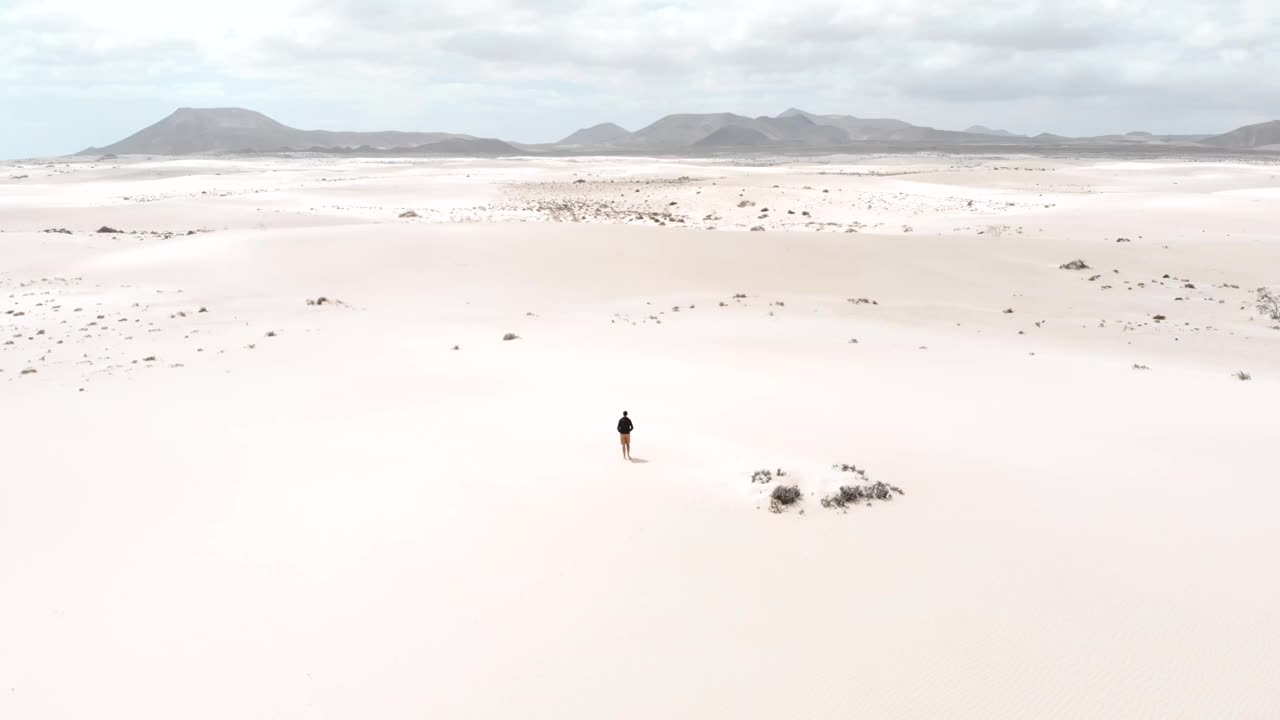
(1269, 303)
(850, 494)
(782, 497)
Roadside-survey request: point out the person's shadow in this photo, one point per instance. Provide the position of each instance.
(639, 461)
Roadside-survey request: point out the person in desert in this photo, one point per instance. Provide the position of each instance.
(624, 430)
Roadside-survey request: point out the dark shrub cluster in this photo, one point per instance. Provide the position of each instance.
(767, 476)
(850, 494)
(782, 497)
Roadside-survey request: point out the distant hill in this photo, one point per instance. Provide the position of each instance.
(1247, 137)
(596, 136)
(734, 136)
(792, 128)
(984, 130)
(199, 130)
(857, 128)
(801, 130)
(675, 132)
(204, 130)
(913, 134)
(467, 146)
(679, 131)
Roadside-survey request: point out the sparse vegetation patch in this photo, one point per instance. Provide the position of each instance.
(850, 494)
(782, 497)
(1269, 303)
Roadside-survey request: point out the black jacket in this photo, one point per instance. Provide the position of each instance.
(625, 426)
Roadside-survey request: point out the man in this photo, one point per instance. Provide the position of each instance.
(624, 429)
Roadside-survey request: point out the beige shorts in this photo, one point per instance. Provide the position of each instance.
(626, 438)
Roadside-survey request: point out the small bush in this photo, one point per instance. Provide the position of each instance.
(1076, 264)
(782, 497)
(1242, 375)
(510, 336)
(108, 229)
(851, 494)
(762, 476)
(408, 214)
(1269, 303)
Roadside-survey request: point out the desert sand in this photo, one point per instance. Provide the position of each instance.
(223, 499)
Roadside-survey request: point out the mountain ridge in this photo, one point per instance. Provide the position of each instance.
(199, 130)
(1248, 137)
(228, 130)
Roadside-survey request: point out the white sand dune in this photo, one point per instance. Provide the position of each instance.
(275, 509)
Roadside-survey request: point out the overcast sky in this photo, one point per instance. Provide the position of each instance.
(89, 72)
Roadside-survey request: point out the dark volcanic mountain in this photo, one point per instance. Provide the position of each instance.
(679, 131)
(984, 130)
(857, 128)
(467, 146)
(198, 130)
(194, 130)
(596, 136)
(676, 132)
(793, 128)
(734, 136)
(1249, 136)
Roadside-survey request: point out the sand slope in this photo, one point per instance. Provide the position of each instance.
(311, 511)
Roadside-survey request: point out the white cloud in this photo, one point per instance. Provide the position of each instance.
(534, 70)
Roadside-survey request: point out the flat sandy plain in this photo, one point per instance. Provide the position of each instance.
(219, 501)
